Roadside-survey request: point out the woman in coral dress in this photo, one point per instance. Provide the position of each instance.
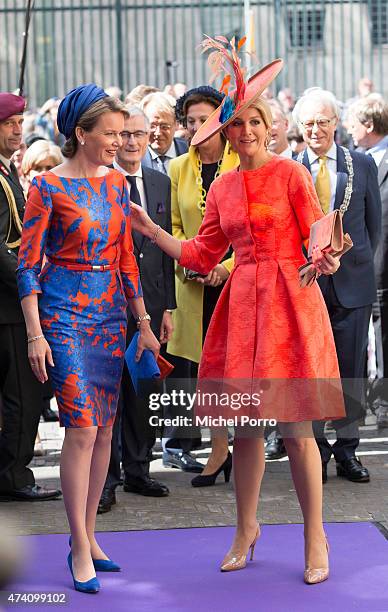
(77, 215)
(265, 326)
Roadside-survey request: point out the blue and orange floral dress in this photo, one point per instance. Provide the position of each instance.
(74, 222)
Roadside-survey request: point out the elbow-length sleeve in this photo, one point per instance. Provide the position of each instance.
(304, 199)
(36, 223)
(206, 250)
(128, 266)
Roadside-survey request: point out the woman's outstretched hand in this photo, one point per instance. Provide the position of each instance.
(140, 221)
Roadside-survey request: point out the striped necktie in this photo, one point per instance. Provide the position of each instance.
(161, 159)
(322, 185)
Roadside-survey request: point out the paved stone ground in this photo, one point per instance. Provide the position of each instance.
(214, 506)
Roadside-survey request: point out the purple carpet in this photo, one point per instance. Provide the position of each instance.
(177, 571)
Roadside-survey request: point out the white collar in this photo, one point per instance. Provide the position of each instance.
(6, 162)
(331, 154)
(171, 153)
(286, 153)
(138, 173)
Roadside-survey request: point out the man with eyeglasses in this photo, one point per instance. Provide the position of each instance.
(348, 179)
(151, 190)
(163, 146)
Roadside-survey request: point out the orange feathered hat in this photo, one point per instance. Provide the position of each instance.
(224, 59)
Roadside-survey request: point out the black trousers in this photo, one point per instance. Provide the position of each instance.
(132, 436)
(350, 330)
(379, 392)
(21, 408)
(186, 369)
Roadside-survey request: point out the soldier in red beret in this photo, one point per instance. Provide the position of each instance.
(21, 392)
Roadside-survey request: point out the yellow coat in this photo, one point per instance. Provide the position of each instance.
(186, 220)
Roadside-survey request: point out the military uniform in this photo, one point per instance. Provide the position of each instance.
(21, 392)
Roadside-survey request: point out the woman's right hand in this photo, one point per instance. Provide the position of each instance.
(38, 351)
(140, 221)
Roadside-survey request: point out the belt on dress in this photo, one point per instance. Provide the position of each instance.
(83, 267)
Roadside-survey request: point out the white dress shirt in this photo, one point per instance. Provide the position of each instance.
(331, 164)
(139, 182)
(378, 150)
(157, 164)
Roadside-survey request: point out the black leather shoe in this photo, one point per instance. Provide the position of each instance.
(182, 461)
(275, 449)
(107, 500)
(324, 472)
(147, 487)
(353, 470)
(382, 417)
(49, 415)
(30, 493)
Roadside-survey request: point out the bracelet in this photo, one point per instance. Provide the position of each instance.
(144, 317)
(156, 234)
(34, 338)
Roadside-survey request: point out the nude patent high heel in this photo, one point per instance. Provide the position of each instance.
(314, 575)
(237, 561)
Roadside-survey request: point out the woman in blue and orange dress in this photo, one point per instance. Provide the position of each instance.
(77, 215)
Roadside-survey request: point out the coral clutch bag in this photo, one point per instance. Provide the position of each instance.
(328, 235)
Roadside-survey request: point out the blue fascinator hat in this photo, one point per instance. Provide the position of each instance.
(74, 104)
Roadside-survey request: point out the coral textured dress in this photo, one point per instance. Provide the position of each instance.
(74, 222)
(265, 326)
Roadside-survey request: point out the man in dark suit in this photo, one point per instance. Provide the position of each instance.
(163, 145)
(20, 391)
(368, 125)
(152, 190)
(347, 181)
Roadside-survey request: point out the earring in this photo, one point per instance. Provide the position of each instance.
(82, 142)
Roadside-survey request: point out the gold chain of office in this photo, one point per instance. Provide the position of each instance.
(199, 181)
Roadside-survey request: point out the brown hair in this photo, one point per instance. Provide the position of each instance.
(89, 119)
(198, 99)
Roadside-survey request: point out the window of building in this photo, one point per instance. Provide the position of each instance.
(305, 27)
(378, 12)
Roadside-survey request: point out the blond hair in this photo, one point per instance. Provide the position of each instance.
(265, 111)
(38, 152)
(159, 101)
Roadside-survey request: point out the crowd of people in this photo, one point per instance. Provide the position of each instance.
(80, 275)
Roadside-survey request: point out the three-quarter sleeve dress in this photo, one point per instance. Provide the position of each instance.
(265, 327)
(72, 224)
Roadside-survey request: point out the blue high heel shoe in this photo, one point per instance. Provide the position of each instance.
(103, 565)
(90, 586)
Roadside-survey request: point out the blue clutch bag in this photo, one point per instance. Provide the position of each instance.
(147, 367)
